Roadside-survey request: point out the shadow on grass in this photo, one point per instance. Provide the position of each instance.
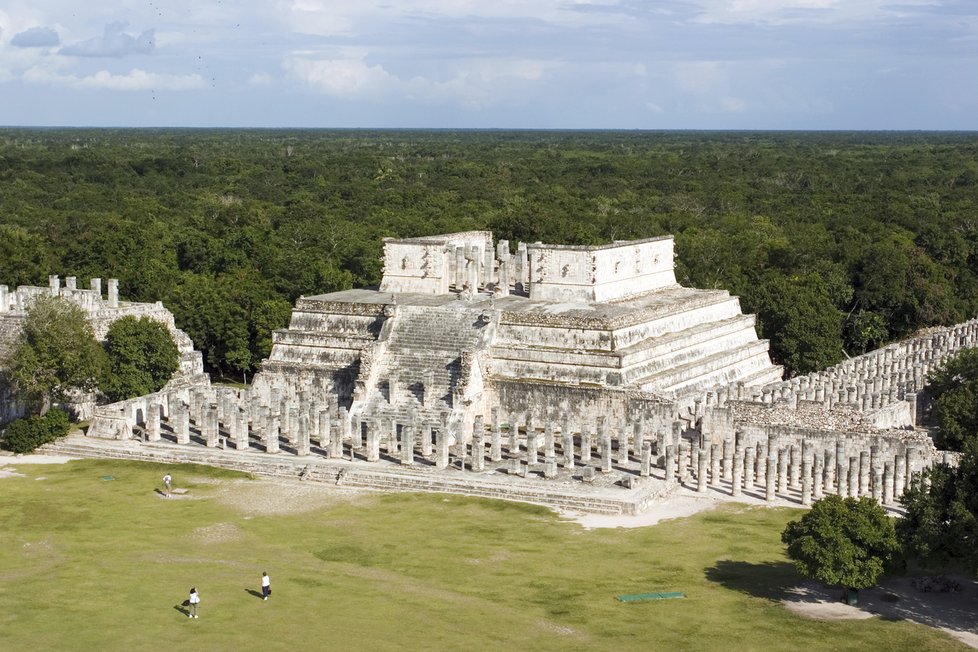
(182, 609)
(255, 593)
(768, 580)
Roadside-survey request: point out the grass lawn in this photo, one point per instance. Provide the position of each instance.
(88, 563)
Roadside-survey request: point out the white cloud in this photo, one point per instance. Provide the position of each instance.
(345, 78)
(260, 79)
(114, 42)
(135, 80)
(36, 37)
(783, 12)
(471, 83)
(352, 17)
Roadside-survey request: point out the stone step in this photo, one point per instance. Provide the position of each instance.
(349, 474)
(708, 371)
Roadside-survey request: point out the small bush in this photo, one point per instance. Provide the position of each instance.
(24, 435)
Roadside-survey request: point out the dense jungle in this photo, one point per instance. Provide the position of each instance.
(838, 241)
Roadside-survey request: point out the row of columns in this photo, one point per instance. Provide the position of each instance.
(90, 299)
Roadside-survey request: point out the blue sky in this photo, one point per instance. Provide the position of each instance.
(620, 64)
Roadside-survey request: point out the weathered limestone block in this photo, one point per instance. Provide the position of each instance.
(888, 482)
(784, 456)
(728, 459)
(272, 433)
(702, 455)
(864, 475)
(567, 446)
(496, 447)
(771, 477)
(550, 467)
(441, 448)
(670, 466)
(374, 430)
(153, 422)
(646, 465)
(606, 453)
(818, 470)
(715, 459)
(531, 447)
(426, 443)
(854, 477)
(407, 445)
(302, 444)
(587, 443)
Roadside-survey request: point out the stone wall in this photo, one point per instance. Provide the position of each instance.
(101, 310)
(600, 273)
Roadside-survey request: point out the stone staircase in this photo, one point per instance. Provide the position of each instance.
(325, 339)
(422, 366)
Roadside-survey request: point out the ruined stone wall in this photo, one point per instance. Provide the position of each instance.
(101, 311)
(603, 273)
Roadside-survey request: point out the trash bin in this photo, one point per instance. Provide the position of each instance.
(852, 596)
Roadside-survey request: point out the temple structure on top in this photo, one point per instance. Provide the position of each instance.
(460, 325)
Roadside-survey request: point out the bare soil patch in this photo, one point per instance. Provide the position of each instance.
(954, 612)
(273, 497)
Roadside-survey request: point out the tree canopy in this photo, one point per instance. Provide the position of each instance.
(940, 527)
(55, 354)
(954, 389)
(842, 541)
(841, 241)
(142, 357)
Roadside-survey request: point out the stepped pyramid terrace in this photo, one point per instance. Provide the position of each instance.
(577, 377)
(459, 326)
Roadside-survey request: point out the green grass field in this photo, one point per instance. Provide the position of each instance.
(88, 563)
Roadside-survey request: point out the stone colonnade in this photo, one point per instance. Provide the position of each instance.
(868, 382)
(781, 464)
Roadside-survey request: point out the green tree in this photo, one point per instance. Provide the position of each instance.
(798, 316)
(55, 354)
(142, 357)
(954, 388)
(941, 524)
(842, 541)
(26, 434)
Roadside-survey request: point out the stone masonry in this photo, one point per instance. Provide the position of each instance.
(556, 375)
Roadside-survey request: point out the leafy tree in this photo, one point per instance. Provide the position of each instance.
(941, 524)
(26, 434)
(842, 541)
(142, 357)
(954, 387)
(798, 316)
(55, 354)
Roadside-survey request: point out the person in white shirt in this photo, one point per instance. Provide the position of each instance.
(194, 601)
(266, 586)
(166, 484)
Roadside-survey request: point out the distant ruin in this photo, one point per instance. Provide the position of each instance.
(582, 377)
(101, 310)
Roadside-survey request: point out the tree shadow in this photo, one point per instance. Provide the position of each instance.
(255, 593)
(897, 599)
(769, 580)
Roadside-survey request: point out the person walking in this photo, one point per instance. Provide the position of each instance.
(266, 586)
(167, 480)
(194, 601)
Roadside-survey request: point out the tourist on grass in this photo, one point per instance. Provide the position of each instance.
(167, 480)
(194, 601)
(266, 586)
